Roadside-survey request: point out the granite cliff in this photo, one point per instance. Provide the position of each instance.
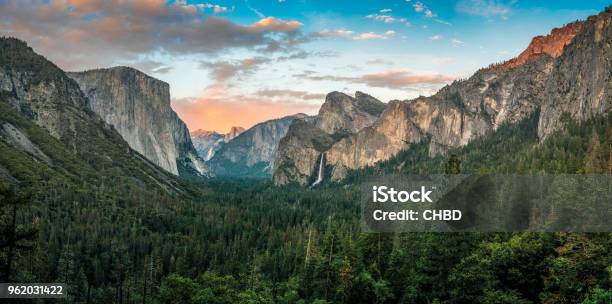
(340, 116)
(343, 113)
(138, 107)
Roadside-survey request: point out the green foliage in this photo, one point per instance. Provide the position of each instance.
(453, 166)
(599, 296)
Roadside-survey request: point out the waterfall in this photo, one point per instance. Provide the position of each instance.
(321, 172)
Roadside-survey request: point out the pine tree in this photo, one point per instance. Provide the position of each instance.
(595, 162)
(453, 166)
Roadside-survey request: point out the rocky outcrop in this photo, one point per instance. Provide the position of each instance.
(138, 107)
(343, 113)
(17, 138)
(252, 153)
(567, 71)
(41, 91)
(233, 133)
(339, 116)
(551, 44)
(581, 80)
(298, 153)
(207, 143)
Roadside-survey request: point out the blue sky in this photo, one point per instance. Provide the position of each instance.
(241, 62)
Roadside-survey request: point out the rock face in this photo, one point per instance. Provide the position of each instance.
(233, 133)
(252, 153)
(41, 91)
(339, 116)
(568, 71)
(207, 143)
(48, 119)
(138, 107)
(298, 153)
(551, 44)
(343, 113)
(16, 137)
(581, 81)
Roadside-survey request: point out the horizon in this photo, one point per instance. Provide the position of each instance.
(240, 63)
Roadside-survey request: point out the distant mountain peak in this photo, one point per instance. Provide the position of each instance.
(551, 44)
(252, 152)
(201, 132)
(234, 131)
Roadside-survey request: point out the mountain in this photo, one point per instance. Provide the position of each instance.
(233, 133)
(567, 72)
(138, 107)
(252, 153)
(207, 143)
(343, 113)
(51, 141)
(339, 116)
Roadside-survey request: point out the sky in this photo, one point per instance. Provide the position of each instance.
(238, 63)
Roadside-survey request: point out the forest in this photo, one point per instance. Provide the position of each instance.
(112, 238)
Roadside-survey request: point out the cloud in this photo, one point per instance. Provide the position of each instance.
(398, 79)
(442, 22)
(383, 18)
(219, 111)
(88, 34)
(335, 33)
(301, 54)
(223, 71)
(456, 42)
(485, 8)
(418, 6)
(151, 67)
(435, 37)
(387, 18)
(386, 10)
(380, 61)
(393, 79)
(290, 93)
(271, 23)
(217, 9)
(372, 35)
(342, 33)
